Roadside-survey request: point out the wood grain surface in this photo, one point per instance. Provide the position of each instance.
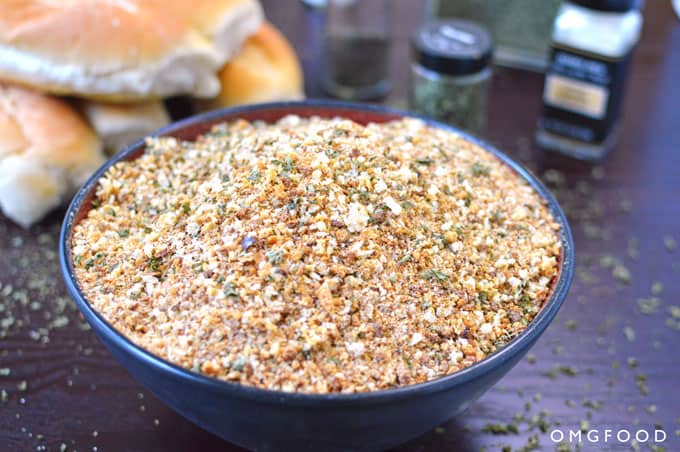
(610, 360)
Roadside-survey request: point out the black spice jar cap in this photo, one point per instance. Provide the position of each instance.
(613, 6)
(452, 47)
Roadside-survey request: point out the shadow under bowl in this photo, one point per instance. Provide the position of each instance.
(264, 420)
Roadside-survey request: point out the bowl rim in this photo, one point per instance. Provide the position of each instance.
(443, 383)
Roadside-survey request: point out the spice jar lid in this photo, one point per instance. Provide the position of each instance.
(614, 6)
(452, 47)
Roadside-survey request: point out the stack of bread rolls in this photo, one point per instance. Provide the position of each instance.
(81, 77)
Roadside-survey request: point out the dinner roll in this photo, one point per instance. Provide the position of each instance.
(265, 69)
(122, 50)
(46, 151)
(119, 125)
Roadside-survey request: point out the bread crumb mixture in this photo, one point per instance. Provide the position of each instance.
(317, 255)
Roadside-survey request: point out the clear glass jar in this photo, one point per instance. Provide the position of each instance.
(451, 73)
(356, 49)
(460, 101)
(584, 84)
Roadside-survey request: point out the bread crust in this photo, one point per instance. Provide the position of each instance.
(265, 69)
(122, 50)
(46, 151)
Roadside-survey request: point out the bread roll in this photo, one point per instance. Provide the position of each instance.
(46, 152)
(119, 125)
(265, 69)
(122, 50)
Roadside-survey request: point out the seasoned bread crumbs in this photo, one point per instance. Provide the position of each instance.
(317, 255)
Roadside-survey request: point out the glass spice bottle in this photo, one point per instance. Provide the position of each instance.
(584, 85)
(451, 73)
(356, 49)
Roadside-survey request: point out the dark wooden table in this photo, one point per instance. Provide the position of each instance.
(610, 359)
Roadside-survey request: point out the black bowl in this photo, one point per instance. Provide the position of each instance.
(271, 420)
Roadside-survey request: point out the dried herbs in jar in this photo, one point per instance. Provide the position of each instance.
(451, 73)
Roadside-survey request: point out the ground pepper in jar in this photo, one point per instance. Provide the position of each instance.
(451, 73)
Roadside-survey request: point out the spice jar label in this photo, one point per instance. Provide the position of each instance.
(576, 96)
(582, 93)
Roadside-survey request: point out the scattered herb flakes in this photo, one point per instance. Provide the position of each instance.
(607, 261)
(584, 425)
(558, 370)
(5, 371)
(674, 320)
(500, 428)
(479, 169)
(22, 385)
(629, 333)
(632, 362)
(571, 325)
(621, 273)
(540, 421)
(288, 165)
(649, 305)
(3, 396)
(404, 259)
(641, 382)
(440, 430)
(651, 409)
(433, 274)
(670, 243)
(425, 161)
(154, 263)
(94, 260)
(255, 176)
(275, 256)
(563, 447)
(238, 364)
(657, 288)
(230, 290)
(592, 404)
(123, 233)
(532, 444)
(531, 358)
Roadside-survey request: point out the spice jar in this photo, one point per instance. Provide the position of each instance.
(356, 49)
(584, 85)
(451, 73)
